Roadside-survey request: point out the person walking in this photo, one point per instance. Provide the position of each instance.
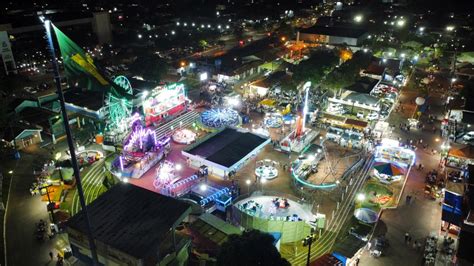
(51, 255)
(407, 235)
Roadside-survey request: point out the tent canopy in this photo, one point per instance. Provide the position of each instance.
(268, 102)
(388, 169)
(362, 98)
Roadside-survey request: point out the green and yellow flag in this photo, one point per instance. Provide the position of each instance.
(80, 66)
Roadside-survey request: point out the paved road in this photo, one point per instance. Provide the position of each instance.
(423, 216)
(23, 212)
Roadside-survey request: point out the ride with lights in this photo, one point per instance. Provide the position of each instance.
(164, 103)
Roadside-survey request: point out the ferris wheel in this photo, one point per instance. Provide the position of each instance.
(119, 109)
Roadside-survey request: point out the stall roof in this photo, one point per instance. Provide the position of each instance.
(357, 123)
(375, 68)
(334, 117)
(362, 98)
(131, 219)
(363, 85)
(465, 152)
(228, 146)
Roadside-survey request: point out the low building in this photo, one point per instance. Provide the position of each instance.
(332, 35)
(225, 151)
(275, 80)
(22, 135)
(233, 70)
(86, 102)
(132, 226)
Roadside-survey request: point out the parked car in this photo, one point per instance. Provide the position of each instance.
(468, 136)
(360, 115)
(373, 116)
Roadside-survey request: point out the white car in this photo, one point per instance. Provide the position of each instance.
(360, 115)
(337, 109)
(373, 116)
(468, 136)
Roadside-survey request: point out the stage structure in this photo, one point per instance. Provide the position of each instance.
(164, 103)
(226, 151)
(141, 150)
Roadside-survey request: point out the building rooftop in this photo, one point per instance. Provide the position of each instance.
(93, 100)
(131, 219)
(227, 147)
(363, 85)
(335, 31)
(272, 80)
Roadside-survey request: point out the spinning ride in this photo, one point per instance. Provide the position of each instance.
(220, 118)
(165, 174)
(184, 136)
(141, 150)
(266, 169)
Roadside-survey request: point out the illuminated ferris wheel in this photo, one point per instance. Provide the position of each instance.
(119, 109)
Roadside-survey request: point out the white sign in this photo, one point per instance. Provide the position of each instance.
(203, 76)
(6, 53)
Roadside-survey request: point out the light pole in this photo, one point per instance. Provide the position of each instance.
(248, 182)
(263, 181)
(308, 241)
(70, 141)
(49, 207)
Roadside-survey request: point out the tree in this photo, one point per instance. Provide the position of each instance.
(203, 44)
(347, 73)
(251, 248)
(150, 67)
(315, 67)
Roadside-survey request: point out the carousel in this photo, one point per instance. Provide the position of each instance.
(266, 169)
(184, 136)
(220, 117)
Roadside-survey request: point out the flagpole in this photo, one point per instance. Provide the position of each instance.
(57, 79)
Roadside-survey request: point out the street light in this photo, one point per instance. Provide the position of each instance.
(360, 197)
(450, 28)
(358, 18)
(308, 241)
(400, 23)
(248, 182)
